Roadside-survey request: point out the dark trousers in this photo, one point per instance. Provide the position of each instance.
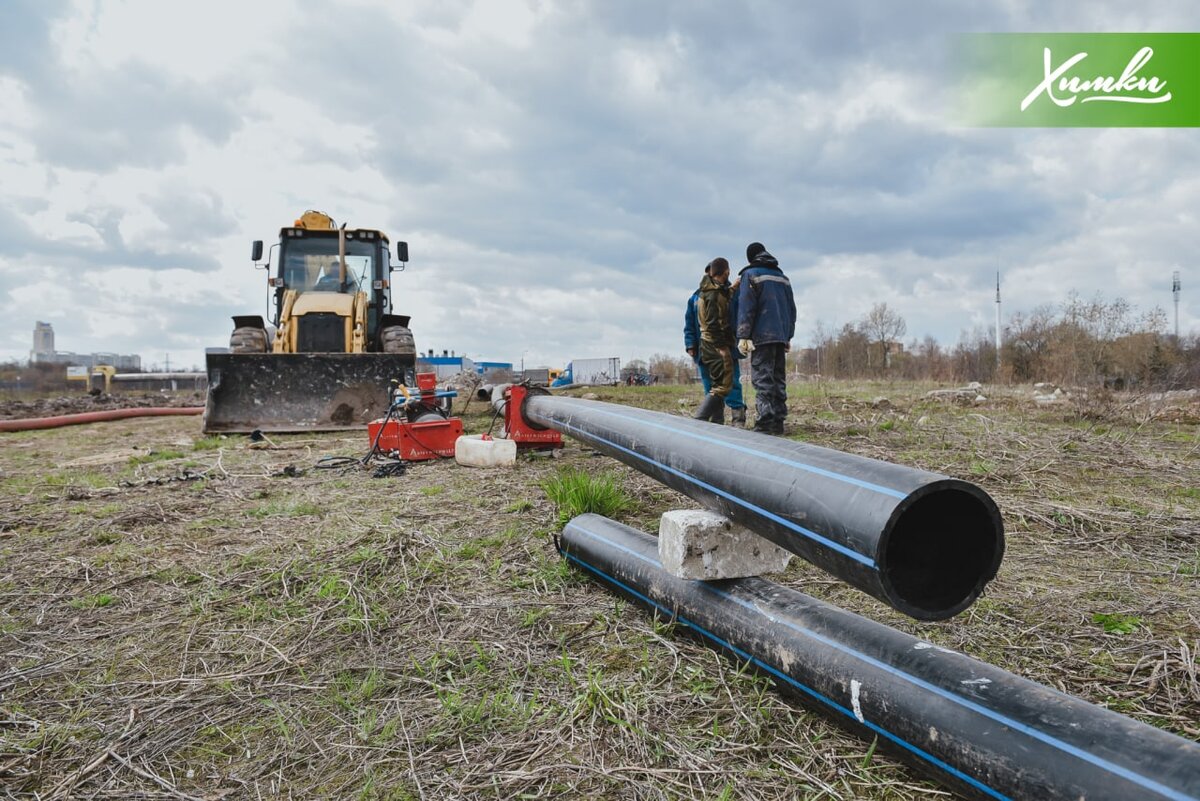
(768, 374)
(719, 366)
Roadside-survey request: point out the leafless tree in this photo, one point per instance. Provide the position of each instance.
(884, 327)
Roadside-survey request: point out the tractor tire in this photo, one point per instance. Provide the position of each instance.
(248, 340)
(398, 339)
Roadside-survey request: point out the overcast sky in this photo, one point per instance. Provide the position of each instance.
(561, 170)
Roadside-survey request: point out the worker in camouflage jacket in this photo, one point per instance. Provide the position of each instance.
(716, 338)
(766, 323)
(691, 344)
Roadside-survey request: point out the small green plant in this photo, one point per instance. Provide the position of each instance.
(106, 537)
(155, 456)
(531, 617)
(982, 467)
(208, 443)
(866, 763)
(519, 506)
(1117, 624)
(93, 601)
(281, 509)
(576, 492)
(431, 491)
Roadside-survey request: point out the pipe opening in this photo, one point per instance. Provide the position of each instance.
(941, 551)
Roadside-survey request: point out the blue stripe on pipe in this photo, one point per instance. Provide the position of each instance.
(1004, 720)
(752, 452)
(925, 755)
(812, 535)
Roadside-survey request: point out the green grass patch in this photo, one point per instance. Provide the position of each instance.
(982, 467)
(576, 492)
(277, 509)
(93, 601)
(1117, 624)
(1133, 507)
(1191, 493)
(208, 443)
(519, 506)
(431, 491)
(155, 456)
(1192, 567)
(105, 537)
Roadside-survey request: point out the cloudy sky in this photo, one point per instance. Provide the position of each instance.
(561, 170)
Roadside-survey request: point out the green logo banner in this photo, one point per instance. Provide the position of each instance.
(1086, 80)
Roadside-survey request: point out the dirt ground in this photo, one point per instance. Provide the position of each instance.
(80, 402)
(191, 617)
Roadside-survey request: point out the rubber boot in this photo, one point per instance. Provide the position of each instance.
(718, 411)
(704, 410)
(737, 417)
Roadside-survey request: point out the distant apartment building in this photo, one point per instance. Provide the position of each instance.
(43, 340)
(44, 353)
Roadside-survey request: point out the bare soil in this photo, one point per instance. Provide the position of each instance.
(195, 617)
(83, 402)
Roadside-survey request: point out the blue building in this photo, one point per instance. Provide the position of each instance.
(483, 368)
(445, 366)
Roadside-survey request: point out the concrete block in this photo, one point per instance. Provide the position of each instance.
(697, 544)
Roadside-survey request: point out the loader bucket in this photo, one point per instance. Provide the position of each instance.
(300, 391)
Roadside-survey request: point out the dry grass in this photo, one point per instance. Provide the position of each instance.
(187, 617)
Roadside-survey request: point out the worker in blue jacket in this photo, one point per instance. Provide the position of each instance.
(766, 323)
(691, 343)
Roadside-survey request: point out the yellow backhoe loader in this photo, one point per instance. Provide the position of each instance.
(327, 361)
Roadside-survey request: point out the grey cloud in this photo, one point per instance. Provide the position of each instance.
(25, 47)
(545, 167)
(191, 213)
(184, 253)
(100, 119)
(15, 237)
(128, 116)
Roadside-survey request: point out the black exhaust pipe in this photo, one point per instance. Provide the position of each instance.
(923, 543)
(972, 726)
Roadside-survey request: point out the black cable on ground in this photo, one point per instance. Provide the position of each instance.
(495, 414)
(390, 469)
(334, 462)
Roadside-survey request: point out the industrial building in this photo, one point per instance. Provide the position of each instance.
(483, 368)
(449, 364)
(446, 365)
(44, 353)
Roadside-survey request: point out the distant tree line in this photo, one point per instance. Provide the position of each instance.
(1080, 342)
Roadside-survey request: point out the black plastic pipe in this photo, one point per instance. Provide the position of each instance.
(978, 729)
(923, 543)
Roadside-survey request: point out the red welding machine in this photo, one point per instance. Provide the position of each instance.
(515, 427)
(417, 428)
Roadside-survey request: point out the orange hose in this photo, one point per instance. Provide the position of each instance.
(32, 423)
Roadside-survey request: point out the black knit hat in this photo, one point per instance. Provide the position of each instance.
(753, 249)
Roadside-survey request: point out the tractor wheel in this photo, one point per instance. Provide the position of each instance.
(248, 340)
(398, 339)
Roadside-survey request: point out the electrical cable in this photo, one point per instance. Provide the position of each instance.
(496, 413)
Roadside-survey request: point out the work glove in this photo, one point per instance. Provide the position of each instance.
(745, 346)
